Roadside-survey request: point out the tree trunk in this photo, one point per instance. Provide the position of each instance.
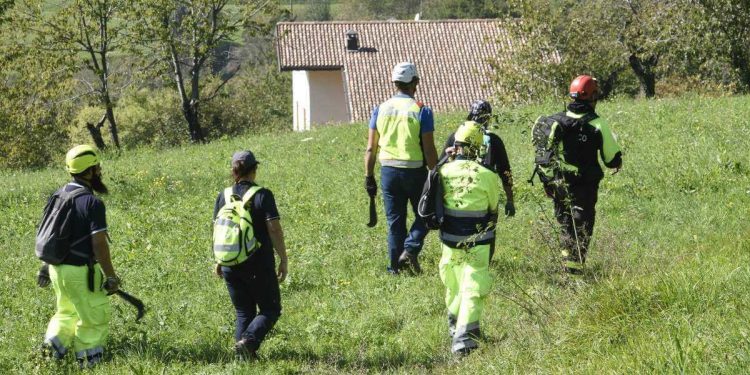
(96, 133)
(110, 115)
(607, 84)
(189, 106)
(644, 70)
(194, 127)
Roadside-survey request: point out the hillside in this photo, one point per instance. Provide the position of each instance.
(665, 289)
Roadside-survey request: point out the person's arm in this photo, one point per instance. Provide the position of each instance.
(101, 252)
(277, 239)
(502, 166)
(428, 147)
(448, 148)
(372, 143)
(372, 148)
(217, 206)
(610, 150)
(426, 129)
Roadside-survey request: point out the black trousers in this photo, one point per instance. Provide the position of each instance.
(575, 210)
(256, 299)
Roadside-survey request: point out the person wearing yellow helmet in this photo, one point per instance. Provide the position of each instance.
(470, 199)
(493, 154)
(84, 275)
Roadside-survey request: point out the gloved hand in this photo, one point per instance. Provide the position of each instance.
(112, 284)
(371, 186)
(42, 277)
(510, 209)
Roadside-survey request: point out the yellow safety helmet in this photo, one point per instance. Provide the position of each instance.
(470, 133)
(80, 158)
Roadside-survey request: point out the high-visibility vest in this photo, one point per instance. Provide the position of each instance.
(471, 195)
(400, 135)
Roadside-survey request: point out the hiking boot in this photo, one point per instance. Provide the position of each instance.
(409, 259)
(90, 361)
(243, 351)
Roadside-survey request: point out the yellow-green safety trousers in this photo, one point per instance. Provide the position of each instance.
(466, 275)
(81, 321)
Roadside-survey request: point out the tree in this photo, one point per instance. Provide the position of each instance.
(603, 38)
(88, 31)
(732, 18)
(317, 10)
(186, 34)
(458, 9)
(380, 10)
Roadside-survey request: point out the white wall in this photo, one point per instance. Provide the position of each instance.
(300, 100)
(317, 98)
(327, 100)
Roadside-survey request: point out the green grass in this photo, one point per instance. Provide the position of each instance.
(665, 290)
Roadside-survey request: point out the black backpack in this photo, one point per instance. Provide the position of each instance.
(53, 237)
(546, 135)
(430, 207)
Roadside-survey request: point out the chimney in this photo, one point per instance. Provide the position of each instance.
(352, 41)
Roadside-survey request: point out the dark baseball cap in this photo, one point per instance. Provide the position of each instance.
(245, 157)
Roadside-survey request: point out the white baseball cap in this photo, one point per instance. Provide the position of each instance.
(404, 72)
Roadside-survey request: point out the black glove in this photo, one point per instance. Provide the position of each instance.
(42, 277)
(371, 186)
(510, 209)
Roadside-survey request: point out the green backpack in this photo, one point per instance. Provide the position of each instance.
(234, 240)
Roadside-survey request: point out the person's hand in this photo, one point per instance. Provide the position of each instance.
(371, 186)
(283, 270)
(510, 209)
(450, 151)
(42, 277)
(217, 270)
(112, 284)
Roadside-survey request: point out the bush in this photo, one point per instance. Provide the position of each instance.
(257, 99)
(144, 117)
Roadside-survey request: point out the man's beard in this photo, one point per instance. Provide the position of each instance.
(97, 185)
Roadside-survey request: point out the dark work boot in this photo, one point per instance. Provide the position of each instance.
(409, 259)
(244, 352)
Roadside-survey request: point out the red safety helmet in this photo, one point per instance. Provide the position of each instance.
(584, 87)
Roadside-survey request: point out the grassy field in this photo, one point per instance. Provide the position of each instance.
(665, 290)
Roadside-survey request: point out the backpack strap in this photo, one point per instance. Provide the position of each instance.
(249, 194)
(228, 193)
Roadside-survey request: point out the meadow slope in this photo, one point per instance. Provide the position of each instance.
(665, 289)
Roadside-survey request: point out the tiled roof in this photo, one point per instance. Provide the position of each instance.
(451, 57)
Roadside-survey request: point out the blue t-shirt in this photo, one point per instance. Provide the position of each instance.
(90, 218)
(426, 122)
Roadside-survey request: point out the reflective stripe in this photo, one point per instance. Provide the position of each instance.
(233, 248)
(226, 222)
(57, 345)
(468, 238)
(391, 111)
(86, 353)
(401, 163)
(458, 213)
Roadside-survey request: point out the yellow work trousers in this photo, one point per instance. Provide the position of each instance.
(466, 275)
(81, 321)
